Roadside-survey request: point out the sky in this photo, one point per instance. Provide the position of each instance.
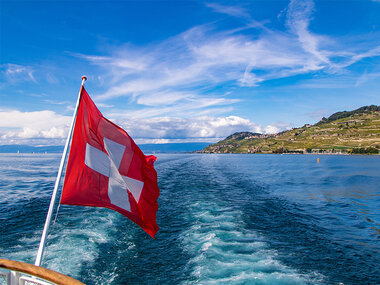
(185, 71)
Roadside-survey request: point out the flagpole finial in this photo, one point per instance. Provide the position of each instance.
(84, 78)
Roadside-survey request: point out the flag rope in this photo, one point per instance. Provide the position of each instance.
(57, 182)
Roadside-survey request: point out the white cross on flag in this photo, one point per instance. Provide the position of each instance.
(107, 169)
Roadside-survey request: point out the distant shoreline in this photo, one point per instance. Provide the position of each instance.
(200, 152)
(290, 153)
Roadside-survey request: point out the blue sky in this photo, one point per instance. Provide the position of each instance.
(185, 71)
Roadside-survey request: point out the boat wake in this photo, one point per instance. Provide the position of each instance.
(224, 252)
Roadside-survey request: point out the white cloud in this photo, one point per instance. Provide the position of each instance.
(38, 119)
(192, 129)
(276, 127)
(271, 129)
(47, 128)
(17, 126)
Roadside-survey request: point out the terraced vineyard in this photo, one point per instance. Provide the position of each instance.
(356, 131)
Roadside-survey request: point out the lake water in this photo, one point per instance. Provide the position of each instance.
(224, 219)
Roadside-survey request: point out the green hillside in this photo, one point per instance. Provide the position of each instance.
(355, 131)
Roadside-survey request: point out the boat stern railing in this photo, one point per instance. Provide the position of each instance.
(21, 273)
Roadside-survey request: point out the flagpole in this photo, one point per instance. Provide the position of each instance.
(57, 181)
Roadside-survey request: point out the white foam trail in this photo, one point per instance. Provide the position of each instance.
(72, 243)
(71, 247)
(226, 253)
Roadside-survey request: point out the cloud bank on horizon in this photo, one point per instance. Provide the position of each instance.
(252, 66)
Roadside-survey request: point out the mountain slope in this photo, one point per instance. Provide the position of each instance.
(355, 131)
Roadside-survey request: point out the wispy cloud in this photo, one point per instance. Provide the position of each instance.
(365, 77)
(191, 108)
(240, 13)
(234, 11)
(184, 67)
(353, 57)
(299, 15)
(208, 60)
(318, 114)
(57, 102)
(15, 73)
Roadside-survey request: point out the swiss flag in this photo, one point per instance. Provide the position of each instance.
(107, 169)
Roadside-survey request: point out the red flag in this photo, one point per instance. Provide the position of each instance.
(107, 169)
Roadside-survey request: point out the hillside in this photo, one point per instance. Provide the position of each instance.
(356, 131)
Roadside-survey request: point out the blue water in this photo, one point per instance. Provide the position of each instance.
(224, 219)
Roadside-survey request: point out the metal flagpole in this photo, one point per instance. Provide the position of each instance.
(57, 181)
